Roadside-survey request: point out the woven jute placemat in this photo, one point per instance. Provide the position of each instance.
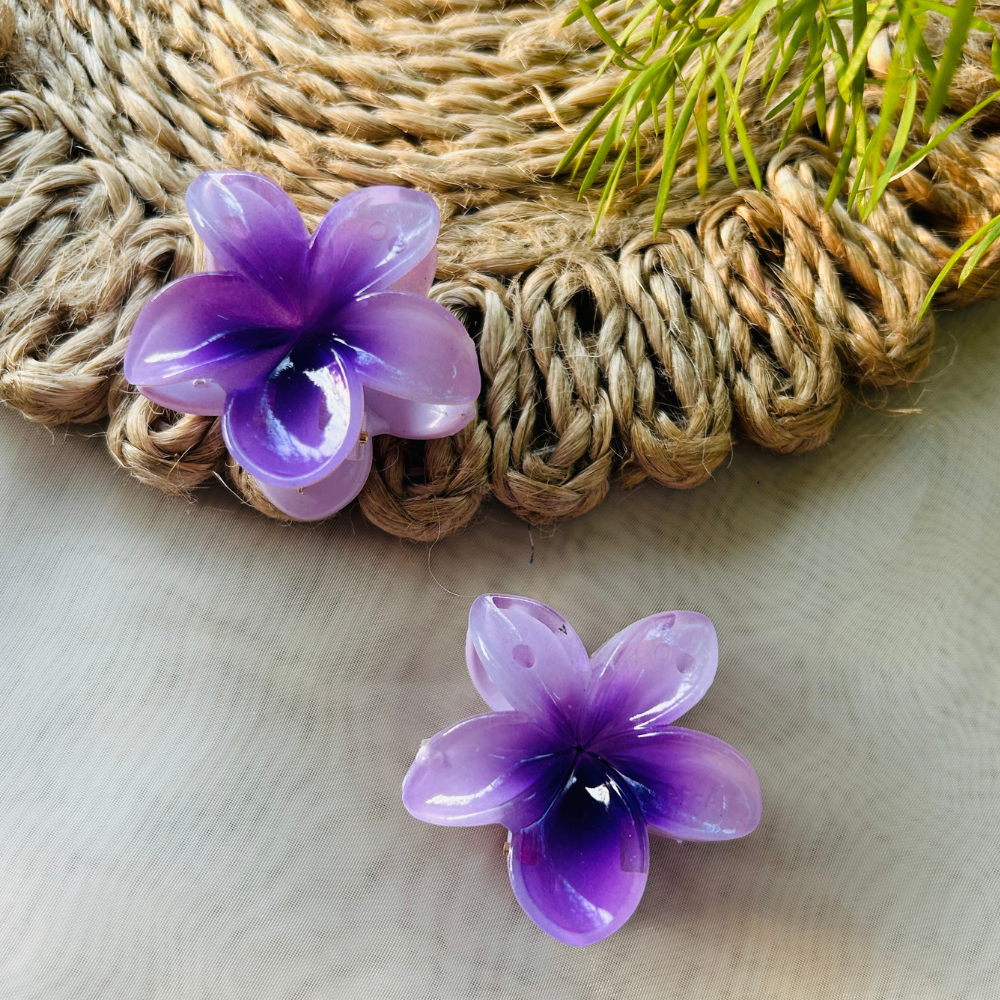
(606, 355)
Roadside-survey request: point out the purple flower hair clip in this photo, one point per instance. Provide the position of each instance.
(308, 346)
(579, 757)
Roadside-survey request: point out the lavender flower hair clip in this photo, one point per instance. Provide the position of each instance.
(307, 347)
(579, 757)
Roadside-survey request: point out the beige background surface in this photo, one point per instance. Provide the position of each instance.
(205, 718)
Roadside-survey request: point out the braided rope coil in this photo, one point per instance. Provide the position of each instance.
(611, 355)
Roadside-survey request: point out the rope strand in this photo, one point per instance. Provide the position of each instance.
(615, 354)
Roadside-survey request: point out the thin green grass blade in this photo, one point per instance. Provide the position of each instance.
(668, 116)
(670, 155)
(921, 154)
(891, 94)
(820, 94)
(953, 260)
(607, 143)
(948, 62)
(578, 13)
(741, 132)
(926, 60)
(605, 36)
(981, 250)
(722, 113)
(788, 99)
(898, 144)
(861, 45)
(612, 183)
(701, 141)
(795, 118)
(843, 165)
(793, 46)
(950, 12)
(580, 143)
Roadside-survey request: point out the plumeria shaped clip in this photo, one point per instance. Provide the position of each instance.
(305, 346)
(579, 758)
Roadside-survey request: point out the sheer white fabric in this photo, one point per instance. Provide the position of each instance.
(205, 718)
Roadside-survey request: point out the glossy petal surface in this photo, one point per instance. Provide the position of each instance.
(690, 785)
(408, 346)
(650, 673)
(294, 427)
(419, 421)
(496, 768)
(283, 333)
(533, 658)
(488, 691)
(370, 239)
(419, 278)
(252, 227)
(326, 497)
(579, 872)
(202, 396)
(579, 869)
(206, 326)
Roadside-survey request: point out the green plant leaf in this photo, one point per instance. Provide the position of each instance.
(701, 141)
(578, 13)
(722, 113)
(741, 132)
(921, 154)
(843, 165)
(950, 12)
(898, 144)
(705, 51)
(820, 93)
(862, 45)
(948, 63)
(954, 259)
(977, 255)
(870, 155)
(605, 36)
(808, 14)
(670, 155)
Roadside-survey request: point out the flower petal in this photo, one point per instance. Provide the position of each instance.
(482, 681)
(252, 227)
(419, 278)
(296, 426)
(690, 785)
(532, 656)
(202, 396)
(580, 871)
(495, 768)
(418, 421)
(206, 326)
(368, 240)
(326, 497)
(408, 346)
(651, 673)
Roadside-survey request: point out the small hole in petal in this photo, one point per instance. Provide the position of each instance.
(663, 653)
(685, 661)
(524, 656)
(542, 614)
(199, 382)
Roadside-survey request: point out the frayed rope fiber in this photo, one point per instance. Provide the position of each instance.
(609, 355)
